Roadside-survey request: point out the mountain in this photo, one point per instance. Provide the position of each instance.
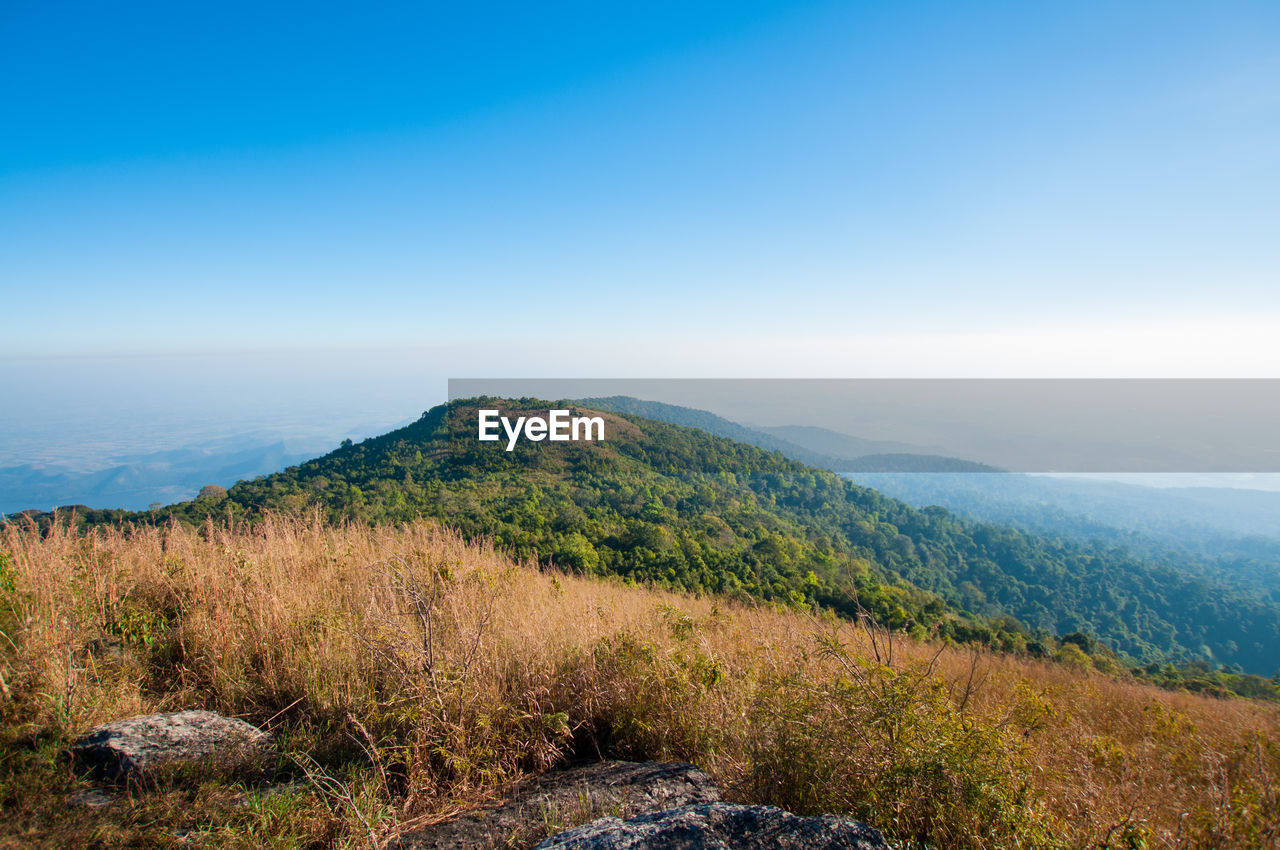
(1185, 515)
(711, 423)
(679, 507)
(106, 469)
(1231, 534)
(134, 482)
(810, 445)
(911, 462)
(837, 444)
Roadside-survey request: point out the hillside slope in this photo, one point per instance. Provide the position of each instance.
(317, 632)
(681, 508)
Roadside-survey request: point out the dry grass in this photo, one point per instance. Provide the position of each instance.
(408, 674)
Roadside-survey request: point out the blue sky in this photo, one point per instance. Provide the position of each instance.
(805, 188)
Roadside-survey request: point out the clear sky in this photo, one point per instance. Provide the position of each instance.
(800, 188)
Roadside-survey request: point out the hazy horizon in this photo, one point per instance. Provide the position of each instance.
(160, 428)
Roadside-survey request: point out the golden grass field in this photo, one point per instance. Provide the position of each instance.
(408, 675)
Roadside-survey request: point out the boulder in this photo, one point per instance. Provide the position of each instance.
(562, 798)
(136, 746)
(719, 826)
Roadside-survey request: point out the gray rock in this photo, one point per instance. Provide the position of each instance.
(720, 826)
(136, 746)
(563, 798)
(94, 798)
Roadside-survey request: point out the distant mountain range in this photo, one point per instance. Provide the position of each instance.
(135, 482)
(837, 444)
(814, 446)
(1231, 534)
(1185, 516)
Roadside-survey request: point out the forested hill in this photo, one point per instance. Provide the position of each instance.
(680, 507)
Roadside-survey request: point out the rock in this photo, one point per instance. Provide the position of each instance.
(566, 797)
(94, 798)
(720, 826)
(136, 746)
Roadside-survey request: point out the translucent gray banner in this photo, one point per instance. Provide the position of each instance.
(945, 425)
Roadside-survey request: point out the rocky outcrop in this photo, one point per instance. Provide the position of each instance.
(563, 798)
(139, 745)
(719, 826)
